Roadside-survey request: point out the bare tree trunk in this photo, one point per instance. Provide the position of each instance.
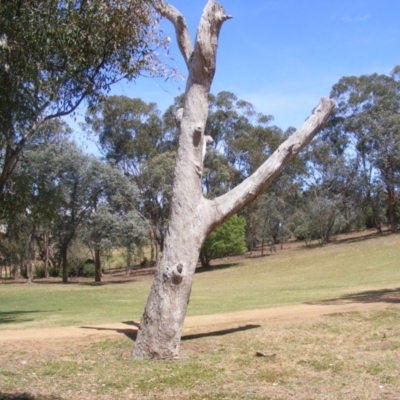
(64, 253)
(31, 257)
(46, 237)
(97, 265)
(128, 260)
(14, 263)
(22, 267)
(153, 246)
(392, 209)
(157, 250)
(192, 216)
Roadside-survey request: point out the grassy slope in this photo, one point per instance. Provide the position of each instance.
(288, 277)
(337, 357)
(300, 275)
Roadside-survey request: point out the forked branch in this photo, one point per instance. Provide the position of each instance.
(205, 51)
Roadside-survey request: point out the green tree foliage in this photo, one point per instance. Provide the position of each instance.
(113, 197)
(367, 121)
(226, 240)
(54, 54)
(133, 136)
(242, 138)
(129, 131)
(156, 190)
(348, 179)
(60, 194)
(329, 203)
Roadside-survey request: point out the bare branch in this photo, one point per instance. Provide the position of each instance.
(206, 44)
(181, 30)
(231, 202)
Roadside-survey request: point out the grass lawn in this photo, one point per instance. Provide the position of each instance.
(342, 356)
(288, 277)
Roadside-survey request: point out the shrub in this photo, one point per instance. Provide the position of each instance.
(88, 269)
(229, 239)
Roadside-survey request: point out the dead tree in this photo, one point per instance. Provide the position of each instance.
(192, 216)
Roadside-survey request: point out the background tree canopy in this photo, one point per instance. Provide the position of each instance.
(56, 54)
(349, 178)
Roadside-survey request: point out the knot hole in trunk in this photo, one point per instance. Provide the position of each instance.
(174, 273)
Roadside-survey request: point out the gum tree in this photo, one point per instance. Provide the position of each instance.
(192, 216)
(368, 112)
(56, 54)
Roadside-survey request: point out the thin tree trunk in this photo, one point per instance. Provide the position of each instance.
(15, 267)
(153, 246)
(392, 209)
(97, 265)
(31, 258)
(64, 254)
(192, 216)
(46, 237)
(22, 268)
(128, 260)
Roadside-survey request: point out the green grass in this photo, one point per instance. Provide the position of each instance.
(341, 356)
(300, 275)
(38, 305)
(287, 277)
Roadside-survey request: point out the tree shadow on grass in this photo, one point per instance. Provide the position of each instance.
(26, 396)
(363, 238)
(8, 317)
(222, 332)
(109, 278)
(391, 296)
(131, 333)
(215, 267)
(259, 255)
(349, 240)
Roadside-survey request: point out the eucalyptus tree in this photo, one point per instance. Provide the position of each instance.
(32, 195)
(59, 185)
(132, 135)
(329, 191)
(129, 131)
(133, 235)
(67, 172)
(242, 141)
(15, 246)
(55, 54)
(57, 191)
(273, 218)
(193, 217)
(239, 133)
(111, 199)
(155, 183)
(368, 110)
(217, 173)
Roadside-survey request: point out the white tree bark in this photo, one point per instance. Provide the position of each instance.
(192, 217)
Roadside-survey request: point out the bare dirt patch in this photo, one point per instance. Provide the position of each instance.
(48, 340)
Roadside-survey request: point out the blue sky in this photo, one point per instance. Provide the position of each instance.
(284, 55)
